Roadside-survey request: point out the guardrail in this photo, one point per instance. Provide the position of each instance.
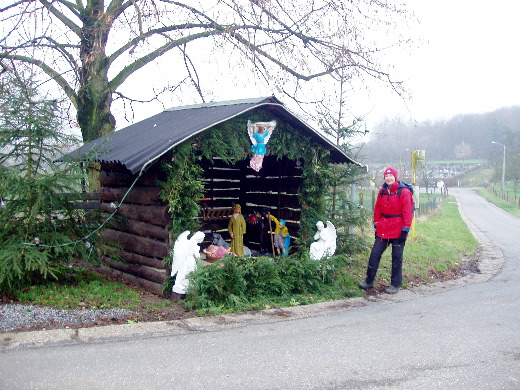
(86, 200)
(81, 200)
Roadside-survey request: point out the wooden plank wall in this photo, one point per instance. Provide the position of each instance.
(274, 188)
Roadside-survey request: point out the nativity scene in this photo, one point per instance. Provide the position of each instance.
(188, 168)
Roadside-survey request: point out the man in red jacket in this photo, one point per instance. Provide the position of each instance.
(393, 214)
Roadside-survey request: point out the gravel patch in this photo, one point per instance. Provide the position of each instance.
(14, 317)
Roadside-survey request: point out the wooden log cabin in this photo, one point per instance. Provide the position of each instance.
(131, 161)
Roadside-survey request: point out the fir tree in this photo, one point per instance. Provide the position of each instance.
(41, 230)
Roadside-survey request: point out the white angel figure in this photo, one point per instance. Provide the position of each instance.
(259, 134)
(325, 241)
(185, 255)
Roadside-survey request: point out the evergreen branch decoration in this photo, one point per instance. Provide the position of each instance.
(238, 282)
(183, 188)
(228, 140)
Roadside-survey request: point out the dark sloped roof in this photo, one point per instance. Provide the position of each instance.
(140, 144)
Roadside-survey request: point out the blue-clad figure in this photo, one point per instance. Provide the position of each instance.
(259, 133)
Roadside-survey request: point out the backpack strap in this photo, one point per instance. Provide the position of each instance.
(381, 193)
(399, 192)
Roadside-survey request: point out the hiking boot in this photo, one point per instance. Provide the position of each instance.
(365, 285)
(392, 290)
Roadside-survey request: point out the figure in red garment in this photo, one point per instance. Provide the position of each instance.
(393, 215)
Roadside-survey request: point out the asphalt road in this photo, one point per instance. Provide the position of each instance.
(454, 336)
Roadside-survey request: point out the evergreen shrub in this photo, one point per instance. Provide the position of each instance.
(245, 282)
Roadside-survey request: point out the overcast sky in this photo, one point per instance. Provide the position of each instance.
(465, 59)
(468, 60)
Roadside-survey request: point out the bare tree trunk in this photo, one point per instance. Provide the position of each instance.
(95, 94)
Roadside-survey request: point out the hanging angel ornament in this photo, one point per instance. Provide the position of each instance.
(259, 134)
(325, 241)
(185, 254)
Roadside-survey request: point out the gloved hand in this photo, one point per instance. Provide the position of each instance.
(403, 236)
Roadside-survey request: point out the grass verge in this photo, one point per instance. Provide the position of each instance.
(81, 289)
(511, 208)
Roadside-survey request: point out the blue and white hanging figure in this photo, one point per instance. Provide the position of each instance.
(259, 133)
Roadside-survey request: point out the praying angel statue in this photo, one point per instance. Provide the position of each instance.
(259, 133)
(185, 255)
(325, 241)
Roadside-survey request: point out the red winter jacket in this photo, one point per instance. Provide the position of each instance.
(392, 212)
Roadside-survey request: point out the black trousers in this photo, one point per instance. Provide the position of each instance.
(379, 247)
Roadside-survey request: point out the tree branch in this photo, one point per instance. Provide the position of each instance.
(254, 48)
(115, 7)
(14, 5)
(159, 31)
(60, 80)
(156, 97)
(61, 48)
(61, 17)
(194, 78)
(142, 61)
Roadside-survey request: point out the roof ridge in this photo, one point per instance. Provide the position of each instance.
(227, 103)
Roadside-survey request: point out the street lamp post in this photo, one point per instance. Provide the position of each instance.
(503, 168)
(401, 165)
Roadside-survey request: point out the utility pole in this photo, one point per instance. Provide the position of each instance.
(418, 157)
(503, 169)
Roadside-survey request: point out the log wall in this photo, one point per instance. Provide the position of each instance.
(140, 226)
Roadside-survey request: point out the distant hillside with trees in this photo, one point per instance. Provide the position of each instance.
(463, 137)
